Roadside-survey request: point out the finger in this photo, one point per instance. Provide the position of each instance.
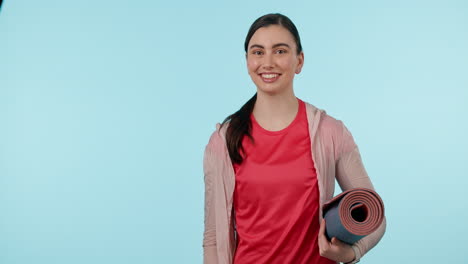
(335, 241)
(323, 245)
(322, 230)
(322, 227)
(322, 240)
(321, 234)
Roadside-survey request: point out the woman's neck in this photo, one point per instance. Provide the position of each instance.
(275, 111)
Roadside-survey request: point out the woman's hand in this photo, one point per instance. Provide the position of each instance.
(334, 250)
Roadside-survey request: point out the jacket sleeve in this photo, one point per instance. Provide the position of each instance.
(210, 255)
(350, 173)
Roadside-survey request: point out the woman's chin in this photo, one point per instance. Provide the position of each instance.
(270, 89)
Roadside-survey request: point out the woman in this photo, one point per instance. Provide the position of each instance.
(270, 166)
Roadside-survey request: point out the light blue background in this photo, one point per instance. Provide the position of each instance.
(106, 107)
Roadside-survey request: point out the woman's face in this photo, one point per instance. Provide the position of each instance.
(272, 59)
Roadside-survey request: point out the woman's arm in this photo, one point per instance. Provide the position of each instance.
(350, 173)
(210, 255)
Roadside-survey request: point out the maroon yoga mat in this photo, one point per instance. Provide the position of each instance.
(353, 214)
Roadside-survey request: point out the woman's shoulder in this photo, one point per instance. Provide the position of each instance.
(331, 130)
(326, 121)
(217, 140)
(329, 122)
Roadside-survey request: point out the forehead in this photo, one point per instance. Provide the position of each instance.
(270, 35)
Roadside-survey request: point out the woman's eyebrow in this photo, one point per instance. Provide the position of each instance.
(274, 46)
(280, 44)
(256, 46)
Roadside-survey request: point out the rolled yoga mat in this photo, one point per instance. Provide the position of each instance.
(353, 214)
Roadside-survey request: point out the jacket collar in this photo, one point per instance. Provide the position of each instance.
(313, 117)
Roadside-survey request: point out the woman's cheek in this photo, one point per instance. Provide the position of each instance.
(252, 65)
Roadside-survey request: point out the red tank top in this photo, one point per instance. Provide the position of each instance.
(276, 197)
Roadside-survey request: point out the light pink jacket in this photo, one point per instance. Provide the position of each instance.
(335, 156)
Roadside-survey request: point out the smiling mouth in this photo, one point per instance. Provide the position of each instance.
(270, 77)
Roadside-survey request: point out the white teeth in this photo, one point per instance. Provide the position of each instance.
(269, 76)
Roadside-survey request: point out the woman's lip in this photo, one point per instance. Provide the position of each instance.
(269, 80)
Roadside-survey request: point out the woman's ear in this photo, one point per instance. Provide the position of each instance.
(300, 63)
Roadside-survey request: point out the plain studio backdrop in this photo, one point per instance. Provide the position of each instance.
(106, 108)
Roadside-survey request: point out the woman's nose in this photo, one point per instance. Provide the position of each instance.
(268, 61)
